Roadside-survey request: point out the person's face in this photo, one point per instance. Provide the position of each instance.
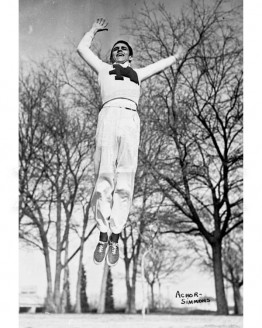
(120, 53)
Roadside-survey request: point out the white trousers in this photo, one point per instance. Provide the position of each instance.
(117, 141)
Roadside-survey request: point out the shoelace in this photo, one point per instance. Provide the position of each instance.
(100, 248)
(114, 248)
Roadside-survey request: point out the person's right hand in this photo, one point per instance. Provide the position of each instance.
(100, 25)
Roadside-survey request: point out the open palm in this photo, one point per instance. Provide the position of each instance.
(100, 25)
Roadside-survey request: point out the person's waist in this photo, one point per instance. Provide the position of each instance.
(121, 102)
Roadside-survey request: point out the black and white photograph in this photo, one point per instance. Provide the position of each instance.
(130, 164)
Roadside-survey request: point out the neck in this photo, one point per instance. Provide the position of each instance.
(125, 64)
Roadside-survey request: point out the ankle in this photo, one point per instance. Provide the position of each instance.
(114, 237)
(103, 237)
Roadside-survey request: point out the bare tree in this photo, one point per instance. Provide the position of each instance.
(162, 261)
(83, 238)
(55, 149)
(146, 206)
(195, 117)
(84, 91)
(84, 306)
(232, 256)
(233, 266)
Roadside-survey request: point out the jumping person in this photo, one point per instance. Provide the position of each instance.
(117, 136)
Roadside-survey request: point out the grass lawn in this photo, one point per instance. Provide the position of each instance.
(128, 321)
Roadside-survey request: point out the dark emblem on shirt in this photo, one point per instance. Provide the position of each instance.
(120, 72)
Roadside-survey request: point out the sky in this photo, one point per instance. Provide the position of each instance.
(52, 23)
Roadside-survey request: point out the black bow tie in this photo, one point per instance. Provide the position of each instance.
(122, 72)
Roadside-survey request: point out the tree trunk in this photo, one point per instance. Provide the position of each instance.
(238, 303)
(49, 302)
(152, 296)
(102, 297)
(128, 288)
(131, 300)
(58, 267)
(131, 291)
(78, 308)
(222, 307)
(65, 290)
(159, 294)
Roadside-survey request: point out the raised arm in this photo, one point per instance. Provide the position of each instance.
(84, 46)
(152, 69)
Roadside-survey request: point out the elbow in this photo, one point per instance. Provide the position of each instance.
(79, 49)
(79, 52)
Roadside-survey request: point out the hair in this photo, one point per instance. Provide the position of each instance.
(126, 43)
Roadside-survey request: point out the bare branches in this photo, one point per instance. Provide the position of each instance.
(192, 120)
(56, 148)
(197, 169)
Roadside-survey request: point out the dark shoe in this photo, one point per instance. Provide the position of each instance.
(100, 252)
(113, 253)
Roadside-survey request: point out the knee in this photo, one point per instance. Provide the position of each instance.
(124, 191)
(103, 187)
